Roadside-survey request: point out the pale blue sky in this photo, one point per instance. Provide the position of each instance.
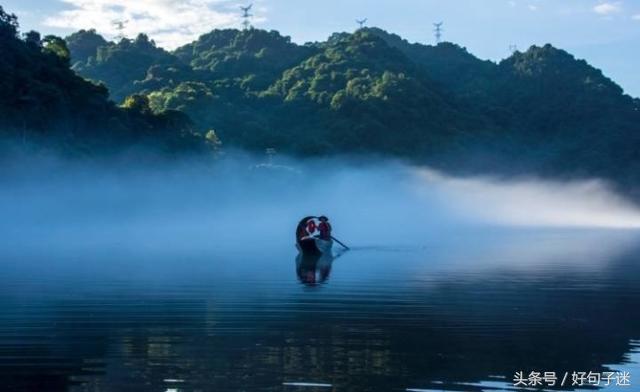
(604, 32)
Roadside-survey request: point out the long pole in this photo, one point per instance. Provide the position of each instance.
(339, 242)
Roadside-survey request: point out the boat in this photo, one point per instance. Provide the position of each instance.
(313, 246)
(312, 238)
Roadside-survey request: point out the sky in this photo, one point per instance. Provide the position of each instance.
(606, 33)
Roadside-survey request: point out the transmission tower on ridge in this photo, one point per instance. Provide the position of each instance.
(246, 16)
(438, 31)
(120, 25)
(513, 48)
(361, 22)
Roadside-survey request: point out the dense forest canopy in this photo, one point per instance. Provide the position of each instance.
(84, 44)
(43, 102)
(118, 65)
(539, 111)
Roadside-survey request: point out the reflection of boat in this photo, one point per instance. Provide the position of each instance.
(313, 269)
(312, 238)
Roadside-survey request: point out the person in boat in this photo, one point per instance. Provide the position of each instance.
(314, 227)
(313, 235)
(324, 227)
(302, 232)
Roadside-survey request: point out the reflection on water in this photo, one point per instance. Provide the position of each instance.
(313, 269)
(461, 314)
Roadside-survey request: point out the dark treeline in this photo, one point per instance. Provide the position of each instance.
(541, 111)
(43, 103)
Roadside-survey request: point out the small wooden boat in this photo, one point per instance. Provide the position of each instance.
(313, 246)
(313, 236)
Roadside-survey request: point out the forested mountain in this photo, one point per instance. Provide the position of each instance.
(558, 114)
(84, 44)
(538, 111)
(118, 65)
(448, 64)
(258, 58)
(43, 102)
(363, 95)
(569, 111)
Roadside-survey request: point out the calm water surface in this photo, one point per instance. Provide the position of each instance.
(463, 314)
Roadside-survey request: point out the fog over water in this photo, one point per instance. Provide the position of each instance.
(190, 205)
(174, 206)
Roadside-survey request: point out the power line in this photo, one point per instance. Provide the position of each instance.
(246, 23)
(120, 26)
(438, 31)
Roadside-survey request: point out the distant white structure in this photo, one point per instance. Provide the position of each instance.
(271, 152)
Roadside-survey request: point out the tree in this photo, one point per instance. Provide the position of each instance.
(33, 39)
(8, 24)
(57, 46)
(213, 140)
(43, 101)
(84, 44)
(137, 103)
(122, 66)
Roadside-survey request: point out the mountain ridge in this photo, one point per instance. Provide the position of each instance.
(541, 111)
(538, 111)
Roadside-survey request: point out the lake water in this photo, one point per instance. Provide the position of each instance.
(462, 312)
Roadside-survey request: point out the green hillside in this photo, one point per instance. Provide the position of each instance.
(541, 111)
(44, 103)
